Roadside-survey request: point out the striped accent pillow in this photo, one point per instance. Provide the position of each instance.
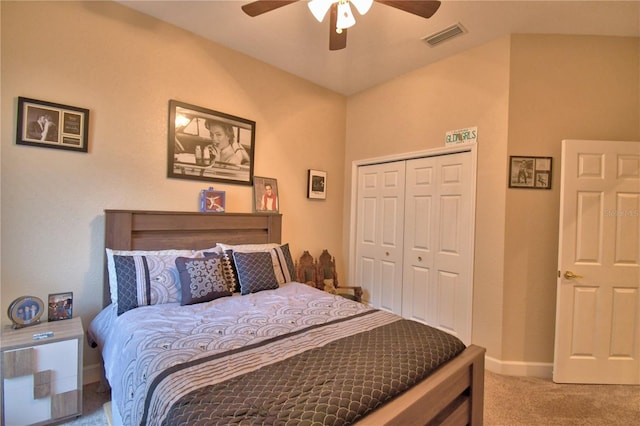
(285, 262)
(144, 279)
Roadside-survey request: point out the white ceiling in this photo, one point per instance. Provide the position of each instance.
(386, 42)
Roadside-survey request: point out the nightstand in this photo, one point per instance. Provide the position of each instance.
(41, 378)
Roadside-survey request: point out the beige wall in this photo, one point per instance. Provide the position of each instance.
(562, 87)
(124, 67)
(525, 93)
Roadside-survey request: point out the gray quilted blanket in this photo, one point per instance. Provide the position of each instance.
(294, 355)
(336, 384)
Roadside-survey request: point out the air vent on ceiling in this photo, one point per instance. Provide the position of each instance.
(444, 35)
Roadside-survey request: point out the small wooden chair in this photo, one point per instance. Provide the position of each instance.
(327, 278)
(306, 269)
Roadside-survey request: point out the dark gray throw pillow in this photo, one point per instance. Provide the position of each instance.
(201, 279)
(255, 271)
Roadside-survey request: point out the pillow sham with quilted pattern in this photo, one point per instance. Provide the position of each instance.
(255, 271)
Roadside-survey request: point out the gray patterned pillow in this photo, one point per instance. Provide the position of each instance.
(255, 271)
(201, 279)
(164, 272)
(144, 279)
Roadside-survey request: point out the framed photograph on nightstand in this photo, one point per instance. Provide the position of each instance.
(60, 306)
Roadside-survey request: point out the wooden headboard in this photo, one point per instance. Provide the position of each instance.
(159, 230)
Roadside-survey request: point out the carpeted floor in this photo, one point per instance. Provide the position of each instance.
(508, 401)
(533, 401)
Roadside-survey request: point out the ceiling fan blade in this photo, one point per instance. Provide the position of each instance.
(262, 6)
(337, 40)
(423, 8)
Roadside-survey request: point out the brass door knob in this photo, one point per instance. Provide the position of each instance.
(570, 275)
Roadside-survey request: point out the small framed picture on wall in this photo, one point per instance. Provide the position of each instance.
(51, 125)
(266, 197)
(317, 184)
(530, 172)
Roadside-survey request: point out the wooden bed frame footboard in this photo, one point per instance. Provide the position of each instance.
(452, 395)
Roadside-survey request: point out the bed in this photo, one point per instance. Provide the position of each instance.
(259, 352)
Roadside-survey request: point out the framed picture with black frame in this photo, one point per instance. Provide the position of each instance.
(209, 145)
(530, 172)
(52, 125)
(317, 184)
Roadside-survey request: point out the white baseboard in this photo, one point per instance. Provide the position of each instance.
(519, 368)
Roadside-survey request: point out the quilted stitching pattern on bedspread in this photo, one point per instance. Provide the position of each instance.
(333, 385)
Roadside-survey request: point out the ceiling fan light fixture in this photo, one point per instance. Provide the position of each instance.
(319, 8)
(345, 16)
(362, 6)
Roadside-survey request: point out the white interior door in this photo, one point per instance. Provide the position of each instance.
(438, 243)
(598, 297)
(379, 234)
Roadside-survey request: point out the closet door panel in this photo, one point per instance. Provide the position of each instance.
(415, 295)
(449, 219)
(379, 245)
(447, 309)
(419, 294)
(453, 251)
(366, 267)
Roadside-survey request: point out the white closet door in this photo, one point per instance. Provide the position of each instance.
(438, 243)
(380, 225)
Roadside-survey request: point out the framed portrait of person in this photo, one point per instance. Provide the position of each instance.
(209, 145)
(52, 125)
(266, 198)
(60, 306)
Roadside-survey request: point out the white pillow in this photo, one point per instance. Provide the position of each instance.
(248, 248)
(201, 253)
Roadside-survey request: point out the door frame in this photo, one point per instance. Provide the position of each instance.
(470, 147)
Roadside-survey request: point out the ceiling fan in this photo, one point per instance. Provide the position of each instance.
(340, 16)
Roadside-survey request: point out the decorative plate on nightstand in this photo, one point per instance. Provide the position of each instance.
(25, 311)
